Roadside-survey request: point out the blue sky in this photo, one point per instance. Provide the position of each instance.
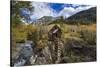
(59, 6)
(53, 9)
(56, 6)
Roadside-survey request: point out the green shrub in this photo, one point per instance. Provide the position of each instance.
(88, 36)
(19, 35)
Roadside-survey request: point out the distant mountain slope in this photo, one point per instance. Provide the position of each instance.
(44, 19)
(86, 15)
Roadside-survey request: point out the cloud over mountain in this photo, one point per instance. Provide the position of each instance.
(51, 9)
(68, 11)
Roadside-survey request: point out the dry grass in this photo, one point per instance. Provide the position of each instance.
(91, 27)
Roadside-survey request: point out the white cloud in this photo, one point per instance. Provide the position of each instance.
(42, 9)
(66, 12)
